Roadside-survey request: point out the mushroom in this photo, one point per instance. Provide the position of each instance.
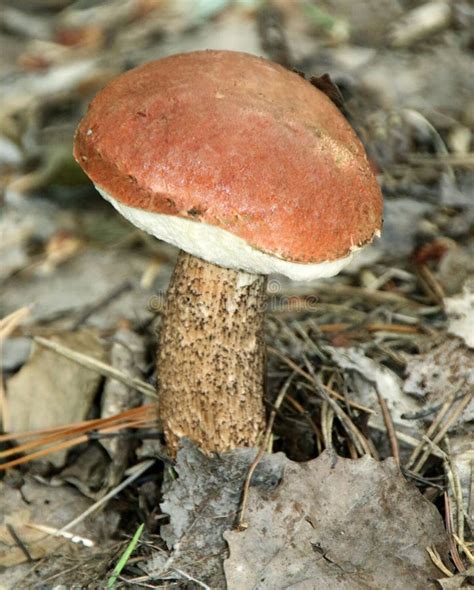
(249, 170)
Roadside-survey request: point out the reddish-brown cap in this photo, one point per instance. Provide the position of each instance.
(237, 142)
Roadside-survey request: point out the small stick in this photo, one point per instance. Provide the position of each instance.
(97, 366)
(191, 579)
(245, 492)
(62, 572)
(352, 450)
(20, 543)
(423, 480)
(392, 434)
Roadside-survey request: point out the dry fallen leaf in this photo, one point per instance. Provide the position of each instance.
(51, 390)
(337, 523)
(202, 503)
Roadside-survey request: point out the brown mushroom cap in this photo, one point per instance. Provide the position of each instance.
(239, 143)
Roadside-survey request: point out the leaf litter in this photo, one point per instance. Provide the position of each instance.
(377, 362)
(50, 391)
(332, 522)
(31, 515)
(203, 502)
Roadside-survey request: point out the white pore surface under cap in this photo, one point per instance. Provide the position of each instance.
(220, 246)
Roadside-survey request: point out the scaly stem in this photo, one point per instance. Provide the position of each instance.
(211, 359)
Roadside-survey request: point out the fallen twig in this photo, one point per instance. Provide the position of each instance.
(392, 434)
(266, 439)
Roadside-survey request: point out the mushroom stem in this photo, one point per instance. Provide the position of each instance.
(211, 358)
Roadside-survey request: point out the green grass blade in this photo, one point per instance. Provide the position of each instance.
(125, 556)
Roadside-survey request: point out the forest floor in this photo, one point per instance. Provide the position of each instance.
(369, 482)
